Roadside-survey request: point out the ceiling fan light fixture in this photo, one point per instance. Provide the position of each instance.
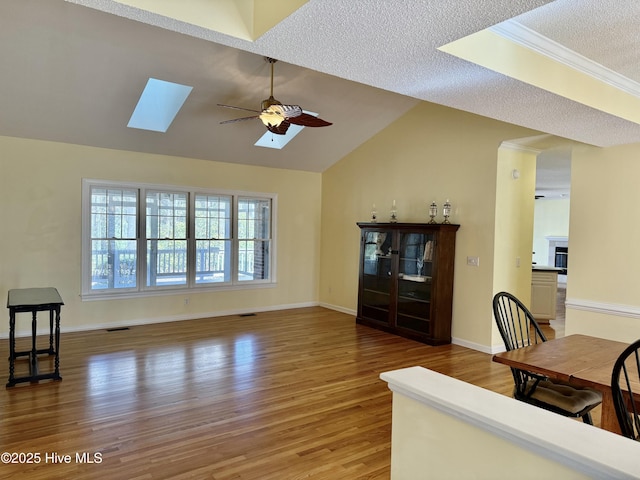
(277, 142)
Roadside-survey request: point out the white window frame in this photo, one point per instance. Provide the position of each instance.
(191, 286)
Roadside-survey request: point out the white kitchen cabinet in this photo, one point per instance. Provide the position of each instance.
(544, 292)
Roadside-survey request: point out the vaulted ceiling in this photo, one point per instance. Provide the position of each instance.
(72, 71)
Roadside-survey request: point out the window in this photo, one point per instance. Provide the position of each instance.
(150, 239)
(213, 238)
(166, 222)
(113, 238)
(253, 238)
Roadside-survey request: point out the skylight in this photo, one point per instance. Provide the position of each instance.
(271, 140)
(158, 105)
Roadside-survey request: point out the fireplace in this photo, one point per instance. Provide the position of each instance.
(561, 259)
(559, 255)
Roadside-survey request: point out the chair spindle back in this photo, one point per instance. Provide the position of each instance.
(515, 322)
(625, 388)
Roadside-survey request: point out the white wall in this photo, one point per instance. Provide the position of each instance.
(551, 219)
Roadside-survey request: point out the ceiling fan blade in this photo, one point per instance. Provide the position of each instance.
(241, 119)
(237, 108)
(307, 120)
(280, 129)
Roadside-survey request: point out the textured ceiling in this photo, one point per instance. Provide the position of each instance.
(73, 74)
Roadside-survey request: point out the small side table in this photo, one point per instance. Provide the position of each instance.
(34, 300)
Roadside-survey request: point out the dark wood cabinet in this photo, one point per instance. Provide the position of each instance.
(406, 279)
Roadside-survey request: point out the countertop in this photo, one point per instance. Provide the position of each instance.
(545, 268)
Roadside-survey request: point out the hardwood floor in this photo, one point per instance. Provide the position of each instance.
(281, 395)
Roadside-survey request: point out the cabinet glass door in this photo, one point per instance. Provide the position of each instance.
(376, 291)
(414, 280)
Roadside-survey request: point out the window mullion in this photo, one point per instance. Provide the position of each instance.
(235, 241)
(191, 241)
(142, 239)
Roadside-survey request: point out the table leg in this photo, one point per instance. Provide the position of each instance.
(57, 337)
(33, 358)
(50, 332)
(609, 420)
(12, 347)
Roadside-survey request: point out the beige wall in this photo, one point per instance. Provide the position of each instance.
(426, 444)
(603, 294)
(436, 417)
(40, 195)
(431, 153)
(515, 194)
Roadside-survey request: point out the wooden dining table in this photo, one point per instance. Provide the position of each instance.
(580, 360)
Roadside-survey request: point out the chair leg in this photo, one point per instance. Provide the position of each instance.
(587, 419)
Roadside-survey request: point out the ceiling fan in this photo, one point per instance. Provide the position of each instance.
(276, 116)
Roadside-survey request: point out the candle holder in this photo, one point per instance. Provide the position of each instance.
(393, 216)
(433, 212)
(446, 211)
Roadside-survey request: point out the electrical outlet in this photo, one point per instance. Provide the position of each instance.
(186, 300)
(473, 261)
